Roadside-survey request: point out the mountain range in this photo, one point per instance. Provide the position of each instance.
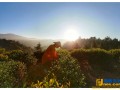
(30, 42)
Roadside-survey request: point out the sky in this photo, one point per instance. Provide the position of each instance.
(50, 20)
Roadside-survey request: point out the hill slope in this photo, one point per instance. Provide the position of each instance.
(13, 45)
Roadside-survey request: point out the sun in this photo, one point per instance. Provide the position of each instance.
(71, 34)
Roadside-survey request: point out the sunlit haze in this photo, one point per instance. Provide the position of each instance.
(60, 20)
(71, 34)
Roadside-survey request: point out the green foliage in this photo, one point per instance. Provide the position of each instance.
(16, 54)
(115, 53)
(13, 67)
(67, 69)
(116, 62)
(38, 47)
(14, 45)
(19, 55)
(100, 57)
(12, 74)
(38, 55)
(3, 57)
(35, 73)
(50, 83)
(2, 50)
(107, 43)
(91, 54)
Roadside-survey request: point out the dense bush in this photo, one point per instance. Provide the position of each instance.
(100, 57)
(67, 69)
(116, 59)
(38, 55)
(3, 57)
(115, 53)
(19, 55)
(12, 74)
(2, 50)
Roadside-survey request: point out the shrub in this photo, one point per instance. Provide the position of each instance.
(12, 74)
(35, 73)
(50, 83)
(98, 57)
(2, 50)
(115, 53)
(67, 69)
(3, 57)
(38, 55)
(19, 55)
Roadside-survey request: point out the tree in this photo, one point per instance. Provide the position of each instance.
(38, 53)
(38, 47)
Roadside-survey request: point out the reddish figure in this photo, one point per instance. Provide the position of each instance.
(50, 53)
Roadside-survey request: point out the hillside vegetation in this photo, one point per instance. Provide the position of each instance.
(14, 45)
(20, 66)
(107, 43)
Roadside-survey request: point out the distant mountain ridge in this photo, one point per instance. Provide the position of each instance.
(30, 42)
(11, 36)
